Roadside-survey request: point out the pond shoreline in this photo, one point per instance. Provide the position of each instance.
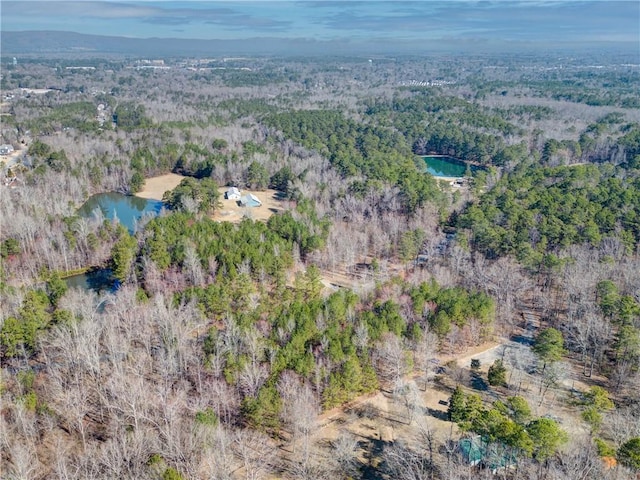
(127, 209)
(76, 271)
(471, 163)
(95, 278)
(446, 168)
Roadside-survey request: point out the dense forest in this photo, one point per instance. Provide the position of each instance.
(378, 322)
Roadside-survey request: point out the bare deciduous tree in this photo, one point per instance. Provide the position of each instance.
(390, 359)
(256, 453)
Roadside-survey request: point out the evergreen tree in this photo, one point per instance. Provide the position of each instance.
(497, 374)
(257, 176)
(519, 409)
(56, 288)
(629, 454)
(457, 406)
(263, 412)
(549, 346)
(122, 255)
(547, 437)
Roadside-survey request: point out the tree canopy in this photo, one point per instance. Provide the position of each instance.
(629, 454)
(194, 196)
(549, 345)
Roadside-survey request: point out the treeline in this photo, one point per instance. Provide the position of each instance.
(591, 86)
(375, 153)
(204, 161)
(53, 118)
(180, 241)
(435, 123)
(245, 78)
(534, 211)
(592, 96)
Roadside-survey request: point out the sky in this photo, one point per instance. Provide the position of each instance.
(524, 22)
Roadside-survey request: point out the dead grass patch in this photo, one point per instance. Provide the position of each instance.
(155, 187)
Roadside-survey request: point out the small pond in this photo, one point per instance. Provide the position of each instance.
(126, 208)
(443, 166)
(99, 280)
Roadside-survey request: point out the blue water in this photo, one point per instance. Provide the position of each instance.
(446, 166)
(99, 280)
(126, 208)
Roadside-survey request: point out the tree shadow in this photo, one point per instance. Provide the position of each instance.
(478, 383)
(439, 414)
(367, 411)
(372, 470)
(280, 195)
(522, 340)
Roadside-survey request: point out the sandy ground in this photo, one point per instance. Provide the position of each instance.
(155, 187)
(12, 155)
(36, 91)
(446, 179)
(231, 211)
(379, 420)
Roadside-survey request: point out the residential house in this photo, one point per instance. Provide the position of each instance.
(232, 194)
(6, 149)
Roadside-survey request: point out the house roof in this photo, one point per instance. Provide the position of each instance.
(250, 200)
(493, 455)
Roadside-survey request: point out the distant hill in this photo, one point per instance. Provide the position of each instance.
(70, 43)
(54, 42)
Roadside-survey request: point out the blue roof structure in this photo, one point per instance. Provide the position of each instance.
(250, 200)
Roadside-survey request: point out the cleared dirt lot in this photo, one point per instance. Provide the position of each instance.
(155, 187)
(232, 211)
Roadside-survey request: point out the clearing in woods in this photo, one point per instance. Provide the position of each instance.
(155, 187)
(231, 210)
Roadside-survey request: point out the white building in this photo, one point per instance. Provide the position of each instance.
(6, 149)
(232, 194)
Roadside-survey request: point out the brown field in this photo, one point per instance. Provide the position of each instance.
(155, 187)
(231, 211)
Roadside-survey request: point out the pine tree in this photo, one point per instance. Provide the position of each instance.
(497, 374)
(457, 406)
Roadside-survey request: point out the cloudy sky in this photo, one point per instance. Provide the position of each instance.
(526, 22)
